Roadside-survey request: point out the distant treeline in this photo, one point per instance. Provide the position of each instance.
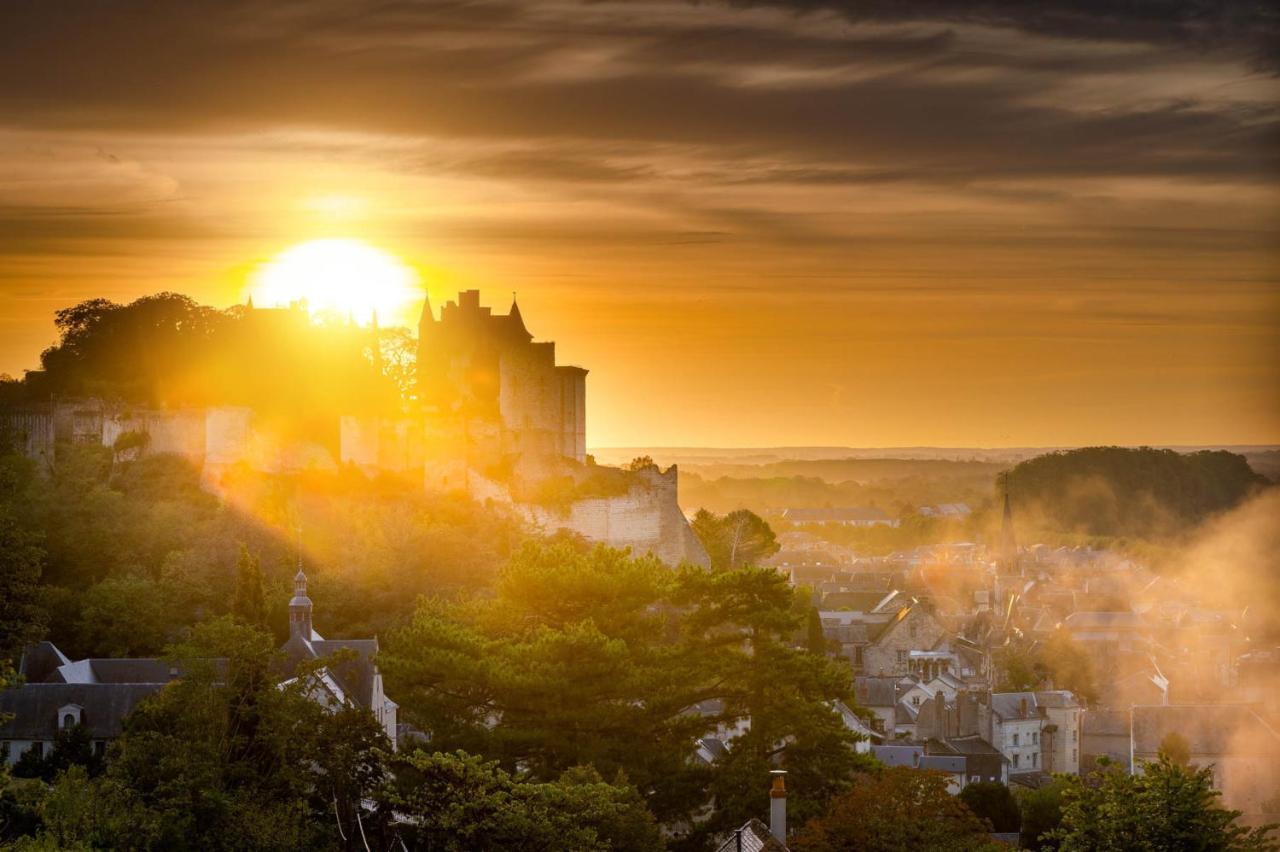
(1134, 493)
(895, 485)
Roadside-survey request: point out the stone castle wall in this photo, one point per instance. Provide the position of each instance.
(647, 519)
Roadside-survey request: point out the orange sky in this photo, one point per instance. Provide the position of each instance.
(761, 223)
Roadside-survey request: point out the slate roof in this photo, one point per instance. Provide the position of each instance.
(848, 513)
(33, 707)
(899, 755)
(1008, 705)
(1103, 621)
(1056, 698)
(41, 660)
(355, 676)
(754, 836)
(1208, 728)
(953, 764)
(976, 745)
(876, 691)
(1110, 723)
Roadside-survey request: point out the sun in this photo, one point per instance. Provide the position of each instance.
(342, 276)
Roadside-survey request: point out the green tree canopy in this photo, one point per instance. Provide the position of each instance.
(1119, 491)
(892, 810)
(459, 803)
(993, 802)
(579, 657)
(1165, 806)
(739, 538)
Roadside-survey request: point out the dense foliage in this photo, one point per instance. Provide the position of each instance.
(1059, 662)
(168, 350)
(1140, 493)
(119, 557)
(895, 809)
(739, 538)
(591, 657)
(1165, 806)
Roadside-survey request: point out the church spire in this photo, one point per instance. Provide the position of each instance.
(300, 608)
(1008, 544)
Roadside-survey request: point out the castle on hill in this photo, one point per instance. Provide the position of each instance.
(494, 416)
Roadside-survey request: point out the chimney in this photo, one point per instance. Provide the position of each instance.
(1022, 707)
(778, 806)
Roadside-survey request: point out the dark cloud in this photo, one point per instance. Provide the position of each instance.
(831, 106)
(1249, 28)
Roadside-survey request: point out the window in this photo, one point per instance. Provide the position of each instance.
(100, 747)
(902, 656)
(915, 701)
(1075, 756)
(1035, 758)
(1075, 736)
(1015, 739)
(69, 721)
(1035, 737)
(1015, 759)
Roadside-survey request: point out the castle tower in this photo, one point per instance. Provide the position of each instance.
(300, 609)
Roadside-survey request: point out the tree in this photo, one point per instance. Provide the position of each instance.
(1164, 806)
(577, 657)
(739, 538)
(1041, 811)
(815, 639)
(1175, 747)
(225, 758)
(21, 559)
(460, 802)
(894, 809)
(992, 801)
(71, 747)
(125, 616)
(249, 605)
(640, 463)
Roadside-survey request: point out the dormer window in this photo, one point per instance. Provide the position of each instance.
(69, 716)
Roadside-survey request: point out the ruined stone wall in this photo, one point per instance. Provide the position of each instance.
(381, 444)
(178, 432)
(30, 431)
(646, 519)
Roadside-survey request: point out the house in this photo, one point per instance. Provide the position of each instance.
(908, 755)
(866, 733)
(1060, 736)
(983, 761)
(98, 694)
(1013, 724)
(880, 696)
(1104, 733)
(953, 766)
(913, 627)
(854, 516)
(1240, 747)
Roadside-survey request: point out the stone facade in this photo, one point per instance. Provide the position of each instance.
(477, 365)
(913, 628)
(647, 519)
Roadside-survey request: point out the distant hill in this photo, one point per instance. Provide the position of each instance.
(1141, 493)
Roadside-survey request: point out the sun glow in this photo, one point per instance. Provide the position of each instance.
(341, 276)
